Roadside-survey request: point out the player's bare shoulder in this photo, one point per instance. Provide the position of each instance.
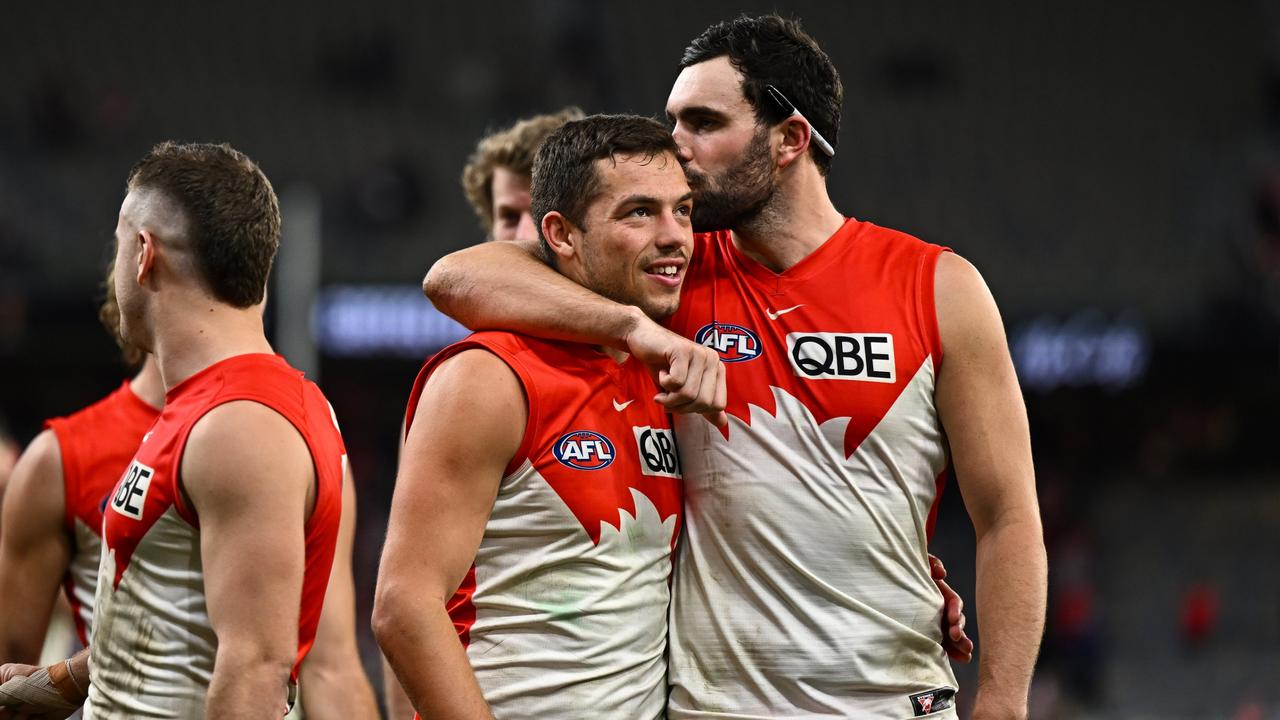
(237, 446)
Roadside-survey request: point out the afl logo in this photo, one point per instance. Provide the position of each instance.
(584, 450)
(734, 343)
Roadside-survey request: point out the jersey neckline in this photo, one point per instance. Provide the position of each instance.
(806, 267)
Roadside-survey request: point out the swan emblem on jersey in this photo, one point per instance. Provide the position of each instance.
(734, 343)
(584, 450)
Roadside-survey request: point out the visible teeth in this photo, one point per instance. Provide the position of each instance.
(667, 270)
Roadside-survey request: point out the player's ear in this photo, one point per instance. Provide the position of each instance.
(796, 136)
(561, 234)
(146, 255)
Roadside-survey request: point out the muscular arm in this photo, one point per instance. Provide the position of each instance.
(333, 683)
(34, 549)
(505, 286)
(982, 412)
(250, 479)
(467, 427)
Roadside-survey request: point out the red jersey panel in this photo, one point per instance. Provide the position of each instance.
(565, 607)
(96, 444)
(803, 584)
(153, 647)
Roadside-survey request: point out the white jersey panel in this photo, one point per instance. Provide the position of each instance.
(802, 586)
(565, 627)
(84, 572)
(153, 648)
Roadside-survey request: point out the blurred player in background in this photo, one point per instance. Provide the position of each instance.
(51, 531)
(220, 536)
(538, 499)
(497, 176)
(803, 583)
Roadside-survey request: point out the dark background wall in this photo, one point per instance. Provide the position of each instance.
(1112, 168)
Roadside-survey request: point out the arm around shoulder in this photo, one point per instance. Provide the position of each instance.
(985, 420)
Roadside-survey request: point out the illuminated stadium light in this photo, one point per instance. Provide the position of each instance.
(1086, 349)
(380, 320)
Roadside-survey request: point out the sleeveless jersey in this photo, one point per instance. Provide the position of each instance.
(96, 444)
(564, 611)
(803, 588)
(153, 648)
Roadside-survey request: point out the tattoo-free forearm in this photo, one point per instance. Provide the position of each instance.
(247, 683)
(430, 663)
(1011, 590)
(502, 286)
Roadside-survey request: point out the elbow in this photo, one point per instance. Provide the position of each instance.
(439, 283)
(389, 617)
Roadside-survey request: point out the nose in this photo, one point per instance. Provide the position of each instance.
(673, 233)
(526, 230)
(683, 153)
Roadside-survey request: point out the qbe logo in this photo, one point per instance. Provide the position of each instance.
(131, 493)
(842, 356)
(584, 450)
(658, 454)
(734, 343)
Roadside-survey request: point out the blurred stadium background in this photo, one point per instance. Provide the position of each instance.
(1112, 168)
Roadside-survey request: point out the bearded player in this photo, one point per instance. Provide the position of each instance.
(860, 363)
(51, 535)
(219, 537)
(538, 498)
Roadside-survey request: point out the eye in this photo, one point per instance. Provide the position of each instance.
(684, 209)
(640, 212)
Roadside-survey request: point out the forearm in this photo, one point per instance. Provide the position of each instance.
(338, 693)
(247, 683)
(431, 664)
(501, 286)
(398, 705)
(1011, 590)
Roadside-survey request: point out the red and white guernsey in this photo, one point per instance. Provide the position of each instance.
(152, 647)
(96, 444)
(564, 611)
(803, 586)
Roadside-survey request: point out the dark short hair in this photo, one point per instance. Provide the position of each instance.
(564, 173)
(772, 50)
(512, 148)
(231, 212)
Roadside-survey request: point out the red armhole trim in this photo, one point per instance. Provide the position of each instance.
(939, 484)
(927, 306)
(462, 607)
(531, 425)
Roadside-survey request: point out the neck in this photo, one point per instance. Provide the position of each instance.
(147, 384)
(192, 335)
(797, 220)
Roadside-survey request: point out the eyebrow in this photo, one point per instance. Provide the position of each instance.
(697, 110)
(650, 200)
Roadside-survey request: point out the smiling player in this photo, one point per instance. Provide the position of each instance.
(539, 496)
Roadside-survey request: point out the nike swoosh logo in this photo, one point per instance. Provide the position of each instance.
(621, 406)
(775, 315)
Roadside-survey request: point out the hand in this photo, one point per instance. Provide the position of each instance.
(27, 693)
(958, 645)
(690, 375)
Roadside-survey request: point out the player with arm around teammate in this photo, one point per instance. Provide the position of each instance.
(529, 550)
(861, 362)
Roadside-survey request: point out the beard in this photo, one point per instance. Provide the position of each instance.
(736, 195)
